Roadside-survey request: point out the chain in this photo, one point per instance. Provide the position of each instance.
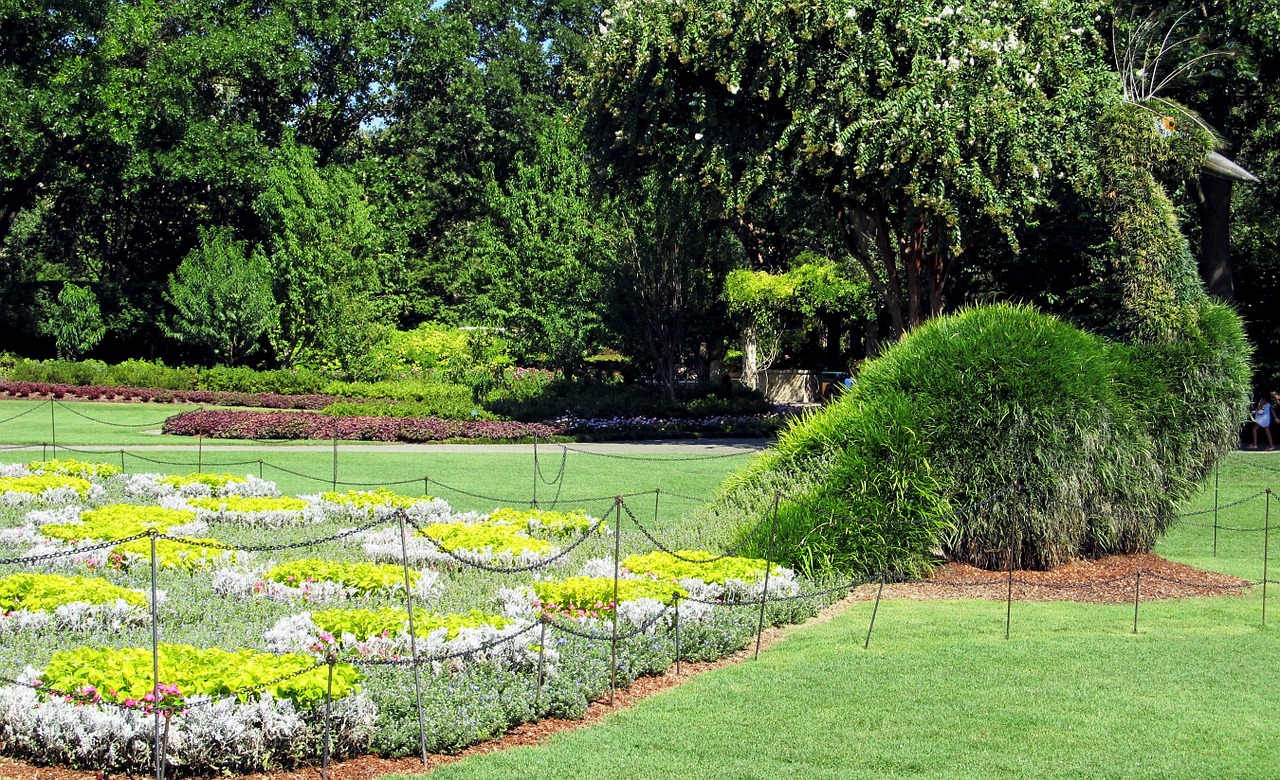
(329, 481)
(637, 631)
(74, 551)
(845, 587)
(21, 414)
(1224, 527)
(258, 688)
(112, 424)
(1201, 585)
(542, 564)
(460, 491)
(657, 458)
(1211, 510)
(185, 463)
(274, 547)
(426, 659)
(729, 553)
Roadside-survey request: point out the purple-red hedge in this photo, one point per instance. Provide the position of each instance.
(155, 395)
(228, 424)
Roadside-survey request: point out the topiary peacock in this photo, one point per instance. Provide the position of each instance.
(1001, 435)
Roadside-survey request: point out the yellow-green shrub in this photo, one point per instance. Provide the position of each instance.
(668, 566)
(47, 592)
(123, 675)
(485, 536)
(117, 521)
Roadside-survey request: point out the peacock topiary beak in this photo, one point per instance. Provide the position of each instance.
(1218, 165)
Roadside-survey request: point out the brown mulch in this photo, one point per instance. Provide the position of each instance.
(1109, 580)
(1114, 576)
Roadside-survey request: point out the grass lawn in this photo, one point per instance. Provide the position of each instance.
(118, 423)
(489, 476)
(942, 694)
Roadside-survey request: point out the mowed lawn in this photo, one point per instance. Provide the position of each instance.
(479, 481)
(940, 693)
(1074, 693)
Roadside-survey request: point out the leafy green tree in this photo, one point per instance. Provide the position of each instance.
(74, 320)
(671, 253)
(535, 259)
(320, 242)
(221, 295)
(924, 126)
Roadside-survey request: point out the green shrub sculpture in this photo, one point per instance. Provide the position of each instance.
(1068, 445)
(1002, 436)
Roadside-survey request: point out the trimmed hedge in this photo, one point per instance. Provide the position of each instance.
(1067, 444)
(162, 396)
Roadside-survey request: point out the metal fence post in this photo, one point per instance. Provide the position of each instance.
(155, 660)
(53, 426)
(413, 639)
(1266, 543)
(542, 654)
(328, 723)
(1008, 598)
(534, 502)
(1216, 470)
(617, 562)
(768, 564)
(675, 603)
(335, 454)
(874, 610)
(1137, 593)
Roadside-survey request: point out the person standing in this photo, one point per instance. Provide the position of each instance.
(1262, 420)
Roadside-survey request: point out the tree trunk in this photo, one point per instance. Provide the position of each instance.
(1213, 202)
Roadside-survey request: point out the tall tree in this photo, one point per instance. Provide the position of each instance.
(534, 259)
(670, 258)
(925, 126)
(221, 297)
(319, 240)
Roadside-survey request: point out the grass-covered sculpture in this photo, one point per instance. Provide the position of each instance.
(1055, 443)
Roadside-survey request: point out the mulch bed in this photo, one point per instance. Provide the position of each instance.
(1108, 580)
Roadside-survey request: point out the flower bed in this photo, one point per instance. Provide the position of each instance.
(362, 505)
(255, 512)
(51, 489)
(709, 577)
(574, 523)
(118, 521)
(384, 634)
(315, 579)
(467, 538)
(30, 602)
(149, 487)
(69, 467)
(188, 554)
(105, 724)
(592, 597)
(307, 425)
